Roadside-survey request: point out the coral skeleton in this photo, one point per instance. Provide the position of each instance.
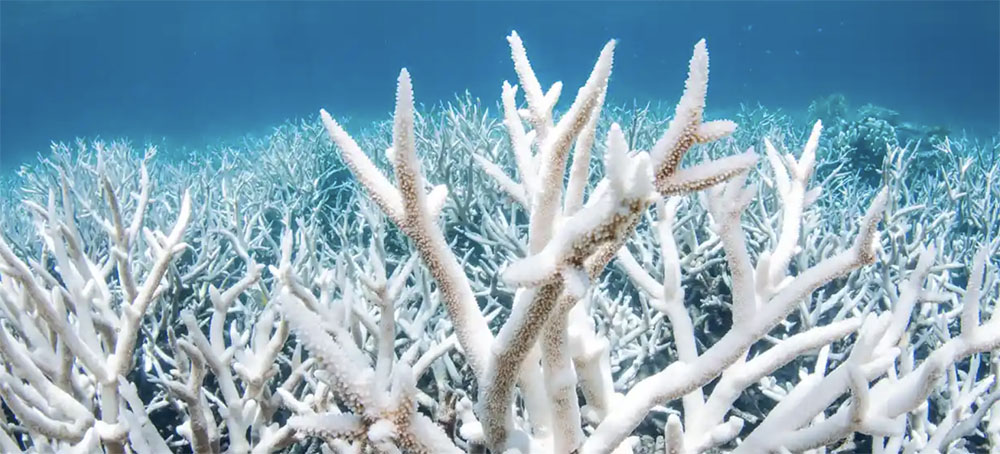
(537, 283)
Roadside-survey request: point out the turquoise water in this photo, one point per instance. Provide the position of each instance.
(190, 75)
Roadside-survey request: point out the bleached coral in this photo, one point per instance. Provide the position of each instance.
(655, 288)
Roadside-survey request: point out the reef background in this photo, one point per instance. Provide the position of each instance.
(188, 75)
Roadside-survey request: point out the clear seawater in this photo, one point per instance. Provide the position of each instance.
(189, 75)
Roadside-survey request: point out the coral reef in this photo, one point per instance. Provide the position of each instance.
(539, 282)
(863, 137)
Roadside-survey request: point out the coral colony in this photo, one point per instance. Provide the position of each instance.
(538, 283)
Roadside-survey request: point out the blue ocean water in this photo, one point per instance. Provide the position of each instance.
(193, 74)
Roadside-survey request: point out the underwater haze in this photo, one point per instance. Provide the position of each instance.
(190, 75)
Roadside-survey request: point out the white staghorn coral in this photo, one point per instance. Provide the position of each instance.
(382, 415)
(567, 310)
(563, 258)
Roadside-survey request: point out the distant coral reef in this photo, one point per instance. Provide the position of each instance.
(464, 279)
(868, 134)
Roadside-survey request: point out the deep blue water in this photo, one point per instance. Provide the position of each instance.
(194, 74)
